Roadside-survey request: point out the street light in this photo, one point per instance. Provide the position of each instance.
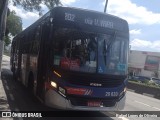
(105, 7)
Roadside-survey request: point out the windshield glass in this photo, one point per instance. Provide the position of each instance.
(88, 52)
(112, 55)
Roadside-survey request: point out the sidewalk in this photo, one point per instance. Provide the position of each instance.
(4, 106)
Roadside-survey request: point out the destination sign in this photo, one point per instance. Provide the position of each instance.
(98, 22)
(90, 21)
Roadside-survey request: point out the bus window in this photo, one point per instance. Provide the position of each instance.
(115, 50)
(75, 50)
(80, 51)
(113, 61)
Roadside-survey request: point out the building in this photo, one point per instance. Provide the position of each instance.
(144, 63)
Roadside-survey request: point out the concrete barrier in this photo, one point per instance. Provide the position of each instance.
(145, 90)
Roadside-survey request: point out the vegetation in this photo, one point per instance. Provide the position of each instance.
(152, 85)
(14, 22)
(14, 26)
(31, 5)
(7, 40)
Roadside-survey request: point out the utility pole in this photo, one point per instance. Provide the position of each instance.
(105, 7)
(3, 17)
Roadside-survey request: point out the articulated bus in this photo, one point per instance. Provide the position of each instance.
(74, 59)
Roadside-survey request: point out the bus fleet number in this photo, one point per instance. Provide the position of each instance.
(113, 94)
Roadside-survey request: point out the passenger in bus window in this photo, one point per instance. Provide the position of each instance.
(92, 49)
(92, 55)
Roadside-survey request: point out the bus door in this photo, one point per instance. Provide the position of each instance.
(42, 60)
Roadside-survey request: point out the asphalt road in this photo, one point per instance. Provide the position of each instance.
(138, 102)
(20, 100)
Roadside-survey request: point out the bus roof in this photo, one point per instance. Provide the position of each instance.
(88, 18)
(82, 17)
(87, 10)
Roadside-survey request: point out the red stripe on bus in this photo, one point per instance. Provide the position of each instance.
(76, 91)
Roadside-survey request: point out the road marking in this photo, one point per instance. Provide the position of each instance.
(7, 87)
(149, 95)
(123, 118)
(143, 103)
(156, 108)
(148, 105)
(11, 97)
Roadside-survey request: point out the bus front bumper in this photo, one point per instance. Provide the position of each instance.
(55, 100)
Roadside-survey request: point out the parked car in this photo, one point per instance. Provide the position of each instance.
(154, 80)
(141, 79)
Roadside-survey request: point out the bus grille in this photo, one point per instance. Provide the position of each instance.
(107, 82)
(83, 101)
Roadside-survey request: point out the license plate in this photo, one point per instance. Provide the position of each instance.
(94, 103)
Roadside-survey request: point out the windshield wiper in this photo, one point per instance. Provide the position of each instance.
(107, 46)
(110, 42)
(104, 51)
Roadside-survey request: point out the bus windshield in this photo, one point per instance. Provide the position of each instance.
(89, 52)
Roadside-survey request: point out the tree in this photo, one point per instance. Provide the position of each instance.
(14, 26)
(14, 23)
(30, 5)
(7, 40)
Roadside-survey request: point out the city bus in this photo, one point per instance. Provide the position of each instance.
(74, 59)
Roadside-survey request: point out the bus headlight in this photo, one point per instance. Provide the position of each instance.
(62, 91)
(123, 91)
(53, 84)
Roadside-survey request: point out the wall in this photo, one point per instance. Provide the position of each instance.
(137, 62)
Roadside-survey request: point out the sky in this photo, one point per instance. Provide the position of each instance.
(143, 17)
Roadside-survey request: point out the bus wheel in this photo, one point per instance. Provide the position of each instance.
(30, 82)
